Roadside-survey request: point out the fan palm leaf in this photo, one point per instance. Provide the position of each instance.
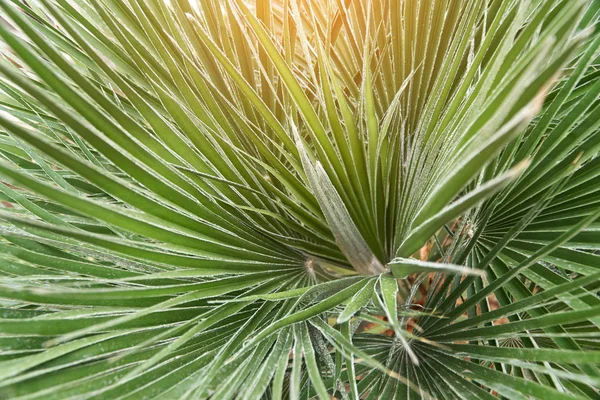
(353, 199)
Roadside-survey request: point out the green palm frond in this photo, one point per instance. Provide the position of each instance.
(358, 199)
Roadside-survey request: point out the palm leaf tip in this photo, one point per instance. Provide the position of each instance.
(267, 199)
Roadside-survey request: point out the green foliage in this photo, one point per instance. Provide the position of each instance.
(358, 199)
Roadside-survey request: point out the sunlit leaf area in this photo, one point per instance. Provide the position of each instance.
(299, 199)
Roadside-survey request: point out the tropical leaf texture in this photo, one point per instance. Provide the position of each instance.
(351, 199)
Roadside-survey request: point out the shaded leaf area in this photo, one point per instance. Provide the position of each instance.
(298, 199)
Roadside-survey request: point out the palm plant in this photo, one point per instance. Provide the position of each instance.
(355, 199)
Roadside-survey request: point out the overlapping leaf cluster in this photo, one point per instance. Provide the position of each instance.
(301, 199)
